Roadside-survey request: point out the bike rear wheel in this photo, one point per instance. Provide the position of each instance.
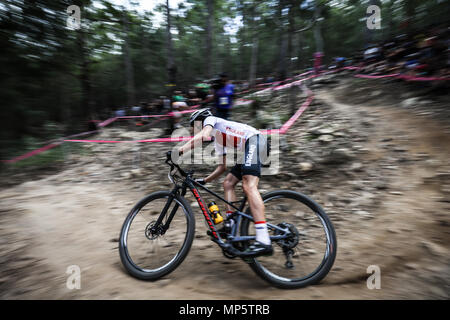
(312, 241)
(148, 254)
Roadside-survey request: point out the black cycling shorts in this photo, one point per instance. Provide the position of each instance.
(255, 148)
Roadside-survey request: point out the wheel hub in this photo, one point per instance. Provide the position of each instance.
(152, 232)
(293, 237)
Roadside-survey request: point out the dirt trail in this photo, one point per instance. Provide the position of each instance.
(410, 234)
(53, 223)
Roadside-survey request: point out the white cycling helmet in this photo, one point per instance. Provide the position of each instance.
(200, 115)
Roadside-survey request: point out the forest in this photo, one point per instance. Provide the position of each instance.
(56, 77)
(347, 100)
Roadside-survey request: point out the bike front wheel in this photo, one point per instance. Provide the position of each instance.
(148, 254)
(311, 246)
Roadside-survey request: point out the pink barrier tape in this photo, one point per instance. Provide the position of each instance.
(285, 127)
(149, 116)
(78, 134)
(169, 114)
(282, 130)
(270, 131)
(303, 74)
(351, 68)
(106, 122)
(242, 102)
(176, 139)
(273, 84)
(32, 153)
(71, 136)
(264, 84)
(295, 83)
(402, 76)
(394, 75)
(412, 78)
(375, 76)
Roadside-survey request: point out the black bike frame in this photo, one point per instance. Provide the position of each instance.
(232, 237)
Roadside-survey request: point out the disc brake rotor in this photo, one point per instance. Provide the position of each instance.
(152, 232)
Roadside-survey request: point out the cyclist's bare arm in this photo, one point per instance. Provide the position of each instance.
(203, 134)
(221, 168)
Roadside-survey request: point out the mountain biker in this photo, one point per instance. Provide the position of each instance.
(253, 143)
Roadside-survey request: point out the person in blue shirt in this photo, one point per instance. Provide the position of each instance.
(223, 97)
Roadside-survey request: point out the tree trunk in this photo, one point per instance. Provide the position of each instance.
(171, 68)
(229, 65)
(282, 43)
(209, 39)
(129, 72)
(242, 62)
(410, 13)
(291, 35)
(242, 50)
(300, 63)
(317, 32)
(370, 33)
(254, 58)
(86, 101)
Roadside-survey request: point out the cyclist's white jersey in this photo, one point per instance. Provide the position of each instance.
(229, 133)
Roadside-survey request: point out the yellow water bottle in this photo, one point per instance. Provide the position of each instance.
(215, 212)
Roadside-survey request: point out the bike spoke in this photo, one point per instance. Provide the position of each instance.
(306, 242)
(148, 248)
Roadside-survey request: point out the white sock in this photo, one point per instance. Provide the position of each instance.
(262, 235)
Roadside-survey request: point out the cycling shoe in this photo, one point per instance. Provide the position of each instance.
(258, 249)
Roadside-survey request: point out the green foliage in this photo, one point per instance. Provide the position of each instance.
(53, 74)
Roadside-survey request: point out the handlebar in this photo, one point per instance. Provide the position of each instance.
(173, 165)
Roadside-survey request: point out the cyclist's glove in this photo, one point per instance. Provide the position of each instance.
(201, 181)
(169, 155)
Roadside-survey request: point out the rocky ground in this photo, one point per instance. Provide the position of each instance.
(377, 161)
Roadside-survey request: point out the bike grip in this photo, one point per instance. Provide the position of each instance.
(201, 181)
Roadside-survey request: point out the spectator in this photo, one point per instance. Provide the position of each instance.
(223, 96)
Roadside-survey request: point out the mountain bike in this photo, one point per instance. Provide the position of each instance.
(157, 234)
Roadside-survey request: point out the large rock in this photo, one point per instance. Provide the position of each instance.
(407, 103)
(305, 166)
(326, 138)
(338, 156)
(435, 249)
(326, 131)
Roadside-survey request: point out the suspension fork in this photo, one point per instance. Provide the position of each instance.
(167, 206)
